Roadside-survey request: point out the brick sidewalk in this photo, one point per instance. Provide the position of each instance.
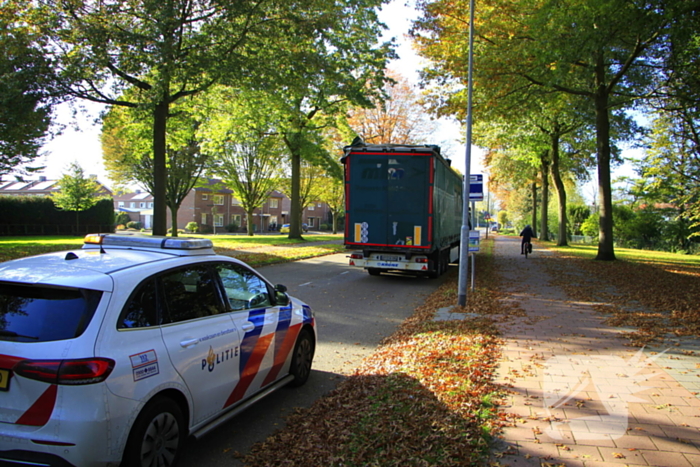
(580, 396)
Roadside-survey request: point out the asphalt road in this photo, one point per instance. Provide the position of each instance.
(354, 312)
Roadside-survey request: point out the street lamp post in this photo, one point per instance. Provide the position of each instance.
(464, 239)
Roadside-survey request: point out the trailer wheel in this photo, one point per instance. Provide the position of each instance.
(374, 271)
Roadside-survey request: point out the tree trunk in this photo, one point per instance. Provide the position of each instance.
(249, 221)
(173, 220)
(606, 248)
(544, 229)
(562, 239)
(160, 119)
(335, 222)
(533, 223)
(295, 214)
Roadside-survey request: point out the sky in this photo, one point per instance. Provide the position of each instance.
(79, 142)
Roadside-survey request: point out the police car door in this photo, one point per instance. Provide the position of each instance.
(265, 341)
(201, 338)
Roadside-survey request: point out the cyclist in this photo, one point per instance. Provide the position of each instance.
(527, 235)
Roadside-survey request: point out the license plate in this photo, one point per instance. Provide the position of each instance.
(388, 258)
(4, 380)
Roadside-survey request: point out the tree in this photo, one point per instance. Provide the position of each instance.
(670, 171)
(503, 219)
(27, 87)
(240, 131)
(344, 66)
(170, 50)
(312, 183)
(128, 154)
(76, 193)
(605, 51)
(398, 119)
(332, 192)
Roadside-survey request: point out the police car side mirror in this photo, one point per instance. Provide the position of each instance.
(281, 297)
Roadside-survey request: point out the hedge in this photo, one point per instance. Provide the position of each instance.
(28, 215)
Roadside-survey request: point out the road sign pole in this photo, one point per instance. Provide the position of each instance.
(464, 247)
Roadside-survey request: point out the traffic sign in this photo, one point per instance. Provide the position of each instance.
(476, 187)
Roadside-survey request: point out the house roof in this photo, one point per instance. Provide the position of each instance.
(38, 187)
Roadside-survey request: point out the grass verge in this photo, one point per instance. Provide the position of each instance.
(255, 251)
(656, 293)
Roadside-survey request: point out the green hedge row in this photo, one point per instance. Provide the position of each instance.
(37, 211)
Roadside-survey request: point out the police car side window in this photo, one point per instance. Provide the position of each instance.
(140, 310)
(244, 289)
(189, 293)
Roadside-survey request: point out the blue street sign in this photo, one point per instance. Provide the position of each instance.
(476, 187)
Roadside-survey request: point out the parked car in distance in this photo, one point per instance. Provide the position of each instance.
(285, 228)
(117, 352)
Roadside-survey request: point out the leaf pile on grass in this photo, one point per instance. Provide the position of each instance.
(425, 397)
(657, 298)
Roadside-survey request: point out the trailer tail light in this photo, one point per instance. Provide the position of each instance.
(422, 260)
(69, 372)
(356, 256)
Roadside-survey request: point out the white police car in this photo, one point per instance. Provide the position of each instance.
(116, 352)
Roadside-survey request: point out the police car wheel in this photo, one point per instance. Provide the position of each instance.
(302, 358)
(157, 437)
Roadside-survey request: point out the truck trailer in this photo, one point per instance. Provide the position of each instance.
(403, 208)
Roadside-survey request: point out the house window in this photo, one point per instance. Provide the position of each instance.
(150, 205)
(219, 200)
(235, 202)
(236, 218)
(132, 205)
(205, 196)
(142, 205)
(219, 220)
(311, 208)
(204, 218)
(120, 204)
(274, 203)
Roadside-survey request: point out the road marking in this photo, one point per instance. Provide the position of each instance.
(305, 283)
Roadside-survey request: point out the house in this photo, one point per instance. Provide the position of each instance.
(138, 205)
(215, 209)
(42, 187)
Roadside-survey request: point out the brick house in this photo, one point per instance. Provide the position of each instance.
(213, 207)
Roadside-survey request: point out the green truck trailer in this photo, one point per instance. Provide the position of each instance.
(403, 208)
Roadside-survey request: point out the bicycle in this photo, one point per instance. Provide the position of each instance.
(527, 247)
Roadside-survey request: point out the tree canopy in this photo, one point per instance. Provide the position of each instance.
(27, 91)
(610, 53)
(165, 51)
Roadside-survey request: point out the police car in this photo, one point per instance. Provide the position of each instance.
(116, 352)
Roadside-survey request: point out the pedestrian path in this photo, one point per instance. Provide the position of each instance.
(579, 395)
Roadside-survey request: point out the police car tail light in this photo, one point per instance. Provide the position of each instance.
(68, 372)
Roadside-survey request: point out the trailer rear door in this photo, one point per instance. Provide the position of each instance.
(388, 199)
